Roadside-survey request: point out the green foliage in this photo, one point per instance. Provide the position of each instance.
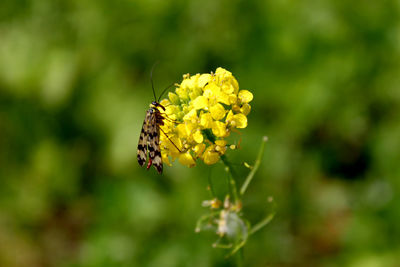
(74, 88)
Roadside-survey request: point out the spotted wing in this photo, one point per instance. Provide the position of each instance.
(143, 138)
(154, 143)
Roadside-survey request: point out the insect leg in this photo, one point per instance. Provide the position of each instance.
(170, 140)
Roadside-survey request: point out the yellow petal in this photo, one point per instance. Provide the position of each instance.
(188, 83)
(195, 92)
(232, 99)
(198, 149)
(206, 120)
(198, 137)
(200, 102)
(223, 98)
(171, 144)
(245, 96)
(229, 117)
(182, 92)
(223, 73)
(204, 79)
(210, 156)
(186, 108)
(227, 88)
(207, 92)
(173, 98)
(245, 109)
(211, 90)
(220, 146)
(236, 108)
(217, 111)
(167, 127)
(187, 159)
(171, 109)
(235, 85)
(220, 142)
(240, 120)
(165, 102)
(220, 149)
(190, 127)
(190, 116)
(181, 130)
(219, 129)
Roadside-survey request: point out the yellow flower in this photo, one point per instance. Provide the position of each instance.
(201, 112)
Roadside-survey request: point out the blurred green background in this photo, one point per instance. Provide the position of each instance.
(74, 88)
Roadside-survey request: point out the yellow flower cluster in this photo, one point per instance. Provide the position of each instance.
(200, 114)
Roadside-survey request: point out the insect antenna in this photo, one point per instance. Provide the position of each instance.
(151, 79)
(169, 86)
(152, 85)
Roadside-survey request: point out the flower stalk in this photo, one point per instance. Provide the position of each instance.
(255, 167)
(232, 177)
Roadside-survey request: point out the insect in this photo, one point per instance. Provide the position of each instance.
(149, 139)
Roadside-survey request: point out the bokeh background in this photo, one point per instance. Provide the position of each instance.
(74, 88)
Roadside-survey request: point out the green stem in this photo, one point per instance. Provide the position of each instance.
(240, 257)
(255, 168)
(234, 192)
(262, 223)
(231, 179)
(210, 184)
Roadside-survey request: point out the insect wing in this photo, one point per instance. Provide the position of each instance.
(154, 142)
(143, 139)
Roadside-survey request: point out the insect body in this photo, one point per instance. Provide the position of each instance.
(150, 138)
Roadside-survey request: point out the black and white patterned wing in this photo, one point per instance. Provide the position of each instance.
(154, 143)
(143, 139)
